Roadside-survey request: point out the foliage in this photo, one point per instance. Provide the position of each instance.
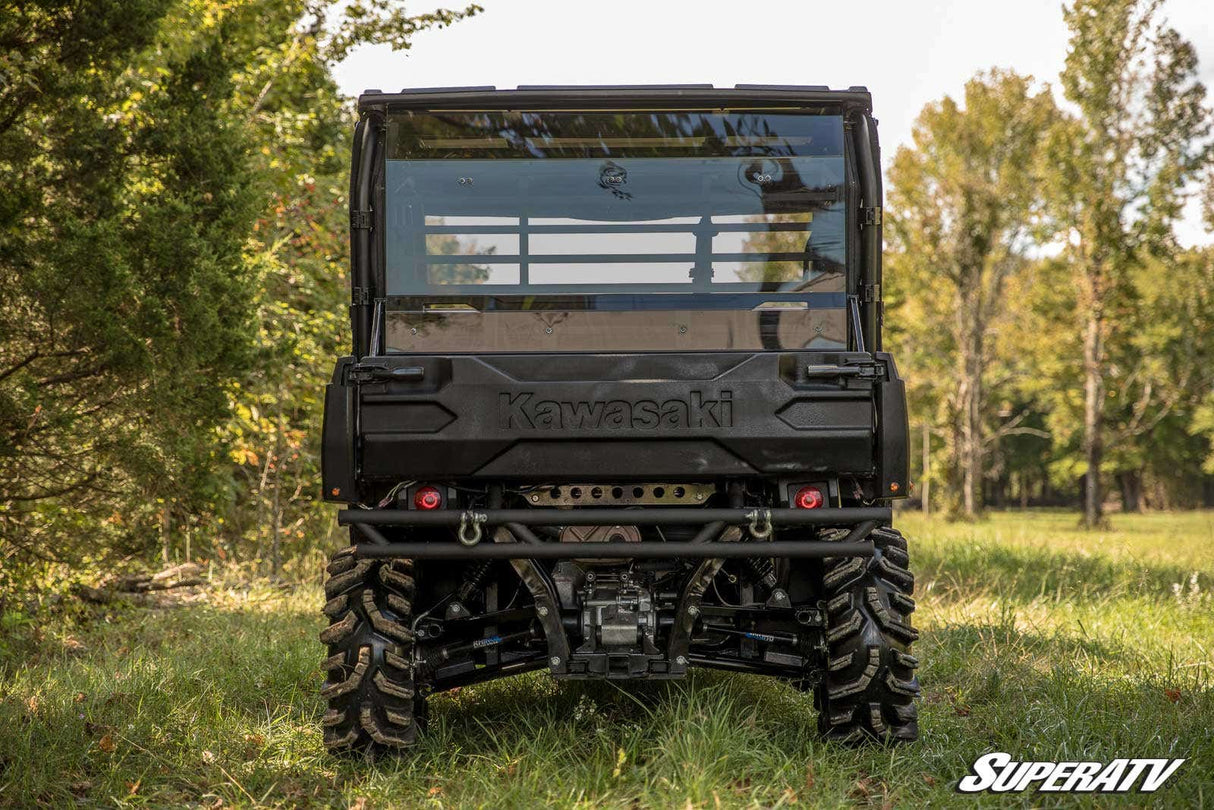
(962, 211)
(115, 341)
(1092, 362)
(1118, 174)
(172, 259)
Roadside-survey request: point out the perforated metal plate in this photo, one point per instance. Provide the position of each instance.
(622, 495)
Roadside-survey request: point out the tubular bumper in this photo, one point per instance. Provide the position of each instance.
(859, 520)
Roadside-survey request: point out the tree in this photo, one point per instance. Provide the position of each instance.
(298, 249)
(1117, 173)
(962, 204)
(172, 251)
(123, 298)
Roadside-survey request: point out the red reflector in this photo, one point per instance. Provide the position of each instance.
(809, 498)
(427, 498)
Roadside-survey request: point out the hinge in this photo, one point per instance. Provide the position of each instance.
(870, 293)
(360, 220)
(360, 296)
(871, 215)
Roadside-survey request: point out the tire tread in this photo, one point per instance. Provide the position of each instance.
(868, 689)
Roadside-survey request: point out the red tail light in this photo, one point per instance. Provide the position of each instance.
(809, 498)
(427, 498)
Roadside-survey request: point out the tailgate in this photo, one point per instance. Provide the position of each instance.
(617, 416)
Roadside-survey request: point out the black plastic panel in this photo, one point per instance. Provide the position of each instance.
(893, 446)
(623, 416)
(337, 437)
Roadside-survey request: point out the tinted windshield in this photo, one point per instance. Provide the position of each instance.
(510, 203)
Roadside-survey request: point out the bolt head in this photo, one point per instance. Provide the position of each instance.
(541, 611)
(535, 498)
(692, 610)
(555, 660)
(681, 660)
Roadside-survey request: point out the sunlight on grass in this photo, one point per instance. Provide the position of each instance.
(1038, 639)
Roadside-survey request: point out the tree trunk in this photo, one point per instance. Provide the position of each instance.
(1131, 490)
(969, 395)
(276, 544)
(276, 504)
(927, 470)
(166, 526)
(1093, 414)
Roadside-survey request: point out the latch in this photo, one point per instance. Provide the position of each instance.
(377, 373)
(859, 371)
(870, 215)
(360, 296)
(866, 371)
(870, 293)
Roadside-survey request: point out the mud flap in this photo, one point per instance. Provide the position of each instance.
(893, 435)
(337, 438)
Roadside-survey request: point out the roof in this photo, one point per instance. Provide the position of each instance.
(556, 96)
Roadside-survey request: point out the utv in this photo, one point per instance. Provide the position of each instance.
(617, 405)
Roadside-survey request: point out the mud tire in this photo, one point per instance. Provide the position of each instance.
(868, 688)
(372, 701)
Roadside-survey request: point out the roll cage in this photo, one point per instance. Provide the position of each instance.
(371, 301)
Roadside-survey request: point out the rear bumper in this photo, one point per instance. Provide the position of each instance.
(707, 545)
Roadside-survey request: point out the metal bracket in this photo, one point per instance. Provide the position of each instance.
(360, 220)
(547, 605)
(678, 647)
(870, 293)
(360, 296)
(871, 215)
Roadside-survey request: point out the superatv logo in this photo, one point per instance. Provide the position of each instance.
(999, 773)
(697, 411)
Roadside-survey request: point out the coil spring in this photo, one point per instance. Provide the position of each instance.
(762, 570)
(476, 577)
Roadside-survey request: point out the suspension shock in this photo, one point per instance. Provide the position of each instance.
(471, 584)
(762, 570)
(474, 580)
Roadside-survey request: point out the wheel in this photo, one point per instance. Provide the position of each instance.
(868, 689)
(373, 704)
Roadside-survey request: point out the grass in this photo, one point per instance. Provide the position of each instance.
(1038, 640)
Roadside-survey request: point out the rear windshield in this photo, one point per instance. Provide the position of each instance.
(506, 203)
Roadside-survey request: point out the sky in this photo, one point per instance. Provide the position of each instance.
(907, 54)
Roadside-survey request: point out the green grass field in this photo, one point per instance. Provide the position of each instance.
(1037, 639)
